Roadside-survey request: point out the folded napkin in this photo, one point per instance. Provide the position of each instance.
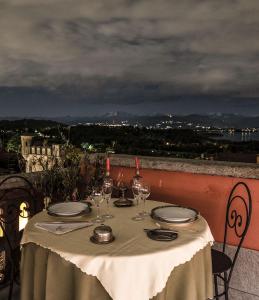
(61, 227)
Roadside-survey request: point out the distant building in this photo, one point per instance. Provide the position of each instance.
(39, 156)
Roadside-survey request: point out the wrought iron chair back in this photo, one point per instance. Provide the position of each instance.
(237, 220)
(10, 212)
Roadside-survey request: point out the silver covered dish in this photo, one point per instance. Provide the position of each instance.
(102, 235)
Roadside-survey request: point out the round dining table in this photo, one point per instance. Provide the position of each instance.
(133, 267)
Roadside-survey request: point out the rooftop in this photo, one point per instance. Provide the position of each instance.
(204, 185)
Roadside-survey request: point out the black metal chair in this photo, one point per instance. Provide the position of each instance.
(238, 216)
(10, 211)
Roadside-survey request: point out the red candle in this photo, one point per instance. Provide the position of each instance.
(137, 162)
(108, 166)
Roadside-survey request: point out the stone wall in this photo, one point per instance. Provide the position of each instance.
(206, 167)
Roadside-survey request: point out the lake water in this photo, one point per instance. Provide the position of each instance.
(239, 136)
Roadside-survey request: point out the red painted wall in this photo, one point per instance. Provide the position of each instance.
(206, 193)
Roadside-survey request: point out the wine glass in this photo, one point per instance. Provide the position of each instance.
(136, 191)
(144, 194)
(97, 198)
(121, 185)
(107, 192)
(136, 187)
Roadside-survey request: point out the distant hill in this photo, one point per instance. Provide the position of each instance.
(224, 120)
(217, 120)
(30, 124)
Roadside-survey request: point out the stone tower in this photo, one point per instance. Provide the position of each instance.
(26, 141)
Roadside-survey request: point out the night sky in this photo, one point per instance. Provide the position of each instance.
(73, 57)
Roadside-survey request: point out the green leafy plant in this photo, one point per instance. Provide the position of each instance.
(72, 178)
(14, 144)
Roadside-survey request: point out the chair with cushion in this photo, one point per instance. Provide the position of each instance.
(18, 199)
(238, 216)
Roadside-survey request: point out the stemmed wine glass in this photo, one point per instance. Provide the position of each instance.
(123, 188)
(107, 192)
(97, 198)
(136, 188)
(144, 194)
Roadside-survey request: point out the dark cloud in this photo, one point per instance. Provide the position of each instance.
(127, 53)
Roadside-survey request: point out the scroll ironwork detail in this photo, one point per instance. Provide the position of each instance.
(238, 217)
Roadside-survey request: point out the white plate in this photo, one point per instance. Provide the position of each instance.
(174, 214)
(68, 208)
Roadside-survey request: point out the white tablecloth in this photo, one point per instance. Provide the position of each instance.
(133, 266)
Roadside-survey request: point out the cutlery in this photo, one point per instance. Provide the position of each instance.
(160, 230)
(66, 222)
(183, 230)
